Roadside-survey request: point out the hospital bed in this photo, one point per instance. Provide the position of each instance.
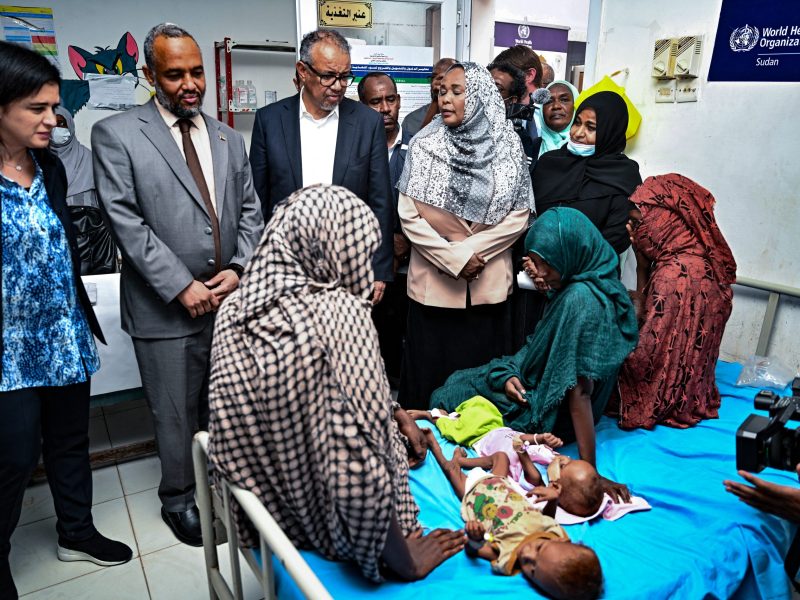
(696, 542)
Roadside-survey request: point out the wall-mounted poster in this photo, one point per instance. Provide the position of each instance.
(32, 27)
(411, 67)
(757, 41)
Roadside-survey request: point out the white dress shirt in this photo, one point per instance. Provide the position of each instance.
(397, 141)
(202, 144)
(318, 144)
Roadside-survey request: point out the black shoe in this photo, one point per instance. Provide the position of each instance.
(185, 525)
(97, 549)
(8, 590)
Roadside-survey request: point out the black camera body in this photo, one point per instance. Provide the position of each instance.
(524, 112)
(766, 441)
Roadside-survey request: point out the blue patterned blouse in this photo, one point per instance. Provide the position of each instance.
(46, 338)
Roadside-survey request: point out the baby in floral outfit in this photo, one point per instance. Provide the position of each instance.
(505, 529)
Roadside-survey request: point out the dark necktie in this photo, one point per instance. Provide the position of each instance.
(193, 161)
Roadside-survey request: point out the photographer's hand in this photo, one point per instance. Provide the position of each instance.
(780, 500)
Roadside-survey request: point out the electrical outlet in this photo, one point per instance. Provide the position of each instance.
(665, 91)
(686, 90)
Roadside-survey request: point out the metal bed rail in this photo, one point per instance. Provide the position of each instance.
(272, 540)
(775, 290)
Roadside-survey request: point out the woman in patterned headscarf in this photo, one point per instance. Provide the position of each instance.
(301, 413)
(465, 197)
(685, 276)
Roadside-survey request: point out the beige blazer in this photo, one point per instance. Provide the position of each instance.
(442, 243)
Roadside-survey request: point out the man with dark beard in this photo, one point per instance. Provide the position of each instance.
(176, 188)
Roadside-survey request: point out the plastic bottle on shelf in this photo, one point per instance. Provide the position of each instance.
(235, 93)
(223, 93)
(252, 100)
(241, 95)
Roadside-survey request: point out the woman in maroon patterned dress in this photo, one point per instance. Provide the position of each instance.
(685, 272)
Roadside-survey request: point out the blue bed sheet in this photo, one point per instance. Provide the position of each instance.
(696, 542)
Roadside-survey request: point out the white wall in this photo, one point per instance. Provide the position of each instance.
(393, 24)
(307, 21)
(571, 13)
(89, 23)
(739, 141)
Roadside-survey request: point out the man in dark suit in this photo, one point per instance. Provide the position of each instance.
(319, 136)
(176, 190)
(378, 91)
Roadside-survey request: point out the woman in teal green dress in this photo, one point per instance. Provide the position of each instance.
(560, 381)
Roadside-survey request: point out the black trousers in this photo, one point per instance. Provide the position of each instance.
(390, 317)
(55, 422)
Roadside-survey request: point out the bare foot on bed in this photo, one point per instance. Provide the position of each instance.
(431, 550)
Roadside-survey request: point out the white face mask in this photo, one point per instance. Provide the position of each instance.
(580, 149)
(60, 136)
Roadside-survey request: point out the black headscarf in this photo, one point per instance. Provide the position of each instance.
(561, 177)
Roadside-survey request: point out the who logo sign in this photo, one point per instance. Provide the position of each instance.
(744, 39)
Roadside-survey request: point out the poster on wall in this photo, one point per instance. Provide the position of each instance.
(757, 41)
(32, 27)
(549, 42)
(411, 67)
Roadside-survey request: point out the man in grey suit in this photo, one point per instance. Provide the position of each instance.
(176, 188)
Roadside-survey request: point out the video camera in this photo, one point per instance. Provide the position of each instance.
(767, 442)
(524, 112)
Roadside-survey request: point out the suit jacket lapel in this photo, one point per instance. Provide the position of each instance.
(290, 122)
(219, 158)
(344, 140)
(396, 164)
(158, 133)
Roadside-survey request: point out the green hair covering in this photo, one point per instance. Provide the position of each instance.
(587, 330)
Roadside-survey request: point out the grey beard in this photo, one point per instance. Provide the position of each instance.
(174, 108)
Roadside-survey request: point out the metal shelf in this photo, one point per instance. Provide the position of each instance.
(265, 46)
(223, 53)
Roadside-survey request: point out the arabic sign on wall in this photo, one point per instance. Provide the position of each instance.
(757, 41)
(344, 14)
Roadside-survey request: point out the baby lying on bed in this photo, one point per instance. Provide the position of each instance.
(505, 529)
(574, 484)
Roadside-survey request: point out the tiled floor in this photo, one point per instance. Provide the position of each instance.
(126, 508)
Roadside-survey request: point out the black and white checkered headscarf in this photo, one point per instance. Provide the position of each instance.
(478, 170)
(301, 412)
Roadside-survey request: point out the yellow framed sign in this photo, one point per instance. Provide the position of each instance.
(344, 14)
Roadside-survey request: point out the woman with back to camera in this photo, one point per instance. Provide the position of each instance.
(465, 197)
(301, 411)
(685, 273)
(47, 350)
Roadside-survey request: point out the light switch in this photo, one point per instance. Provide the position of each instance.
(688, 56)
(664, 58)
